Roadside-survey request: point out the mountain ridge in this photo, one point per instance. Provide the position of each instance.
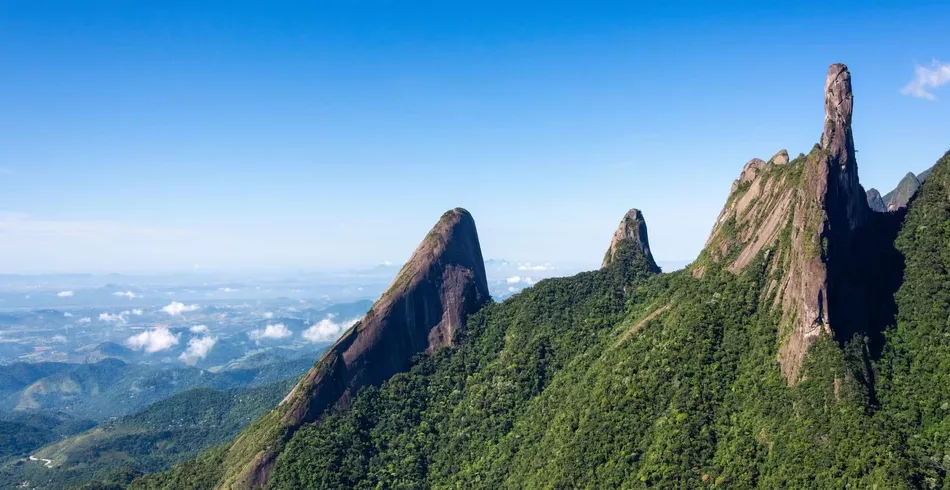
(421, 311)
(772, 361)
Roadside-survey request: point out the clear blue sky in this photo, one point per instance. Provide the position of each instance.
(158, 135)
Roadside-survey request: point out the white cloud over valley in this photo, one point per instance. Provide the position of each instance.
(276, 331)
(198, 348)
(528, 266)
(153, 340)
(64, 294)
(199, 329)
(175, 308)
(117, 318)
(519, 279)
(327, 330)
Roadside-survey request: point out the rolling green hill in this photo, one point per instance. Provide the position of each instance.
(150, 440)
(113, 388)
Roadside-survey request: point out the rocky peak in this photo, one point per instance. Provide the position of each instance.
(780, 158)
(630, 241)
(422, 310)
(875, 201)
(838, 144)
(905, 190)
(804, 214)
(839, 104)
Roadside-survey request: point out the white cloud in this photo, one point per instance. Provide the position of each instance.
(927, 78)
(153, 340)
(84, 319)
(198, 348)
(176, 308)
(227, 290)
(269, 315)
(58, 338)
(276, 331)
(512, 289)
(137, 312)
(64, 294)
(67, 314)
(199, 329)
(528, 266)
(117, 318)
(327, 330)
(127, 294)
(517, 279)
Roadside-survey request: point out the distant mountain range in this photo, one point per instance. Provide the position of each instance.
(900, 196)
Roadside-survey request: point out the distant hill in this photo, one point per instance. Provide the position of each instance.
(23, 432)
(112, 387)
(150, 440)
(900, 196)
(19, 375)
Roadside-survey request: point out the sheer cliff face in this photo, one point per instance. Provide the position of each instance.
(422, 310)
(630, 241)
(804, 215)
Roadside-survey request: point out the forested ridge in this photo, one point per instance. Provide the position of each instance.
(808, 346)
(620, 378)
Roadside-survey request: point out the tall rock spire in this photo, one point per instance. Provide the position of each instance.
(805, 215)
(422, 310)
(836, 206)
(630, 241)
(838, 143)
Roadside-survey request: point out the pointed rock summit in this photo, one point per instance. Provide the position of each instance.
(804, 214)
(780, 158)
(422, 310)
(901, 195)
(630, 241)
(845, 196)
(875, 201)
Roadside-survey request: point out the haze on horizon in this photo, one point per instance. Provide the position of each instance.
(152, 138)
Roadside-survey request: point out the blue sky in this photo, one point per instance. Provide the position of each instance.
(152, 136)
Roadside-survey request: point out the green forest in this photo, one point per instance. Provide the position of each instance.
(620, 378)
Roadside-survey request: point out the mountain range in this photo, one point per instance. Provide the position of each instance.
(807, 346)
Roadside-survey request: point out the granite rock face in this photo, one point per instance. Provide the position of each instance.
(630, 241)
(780, 158)
(805, 214)
(422, 310)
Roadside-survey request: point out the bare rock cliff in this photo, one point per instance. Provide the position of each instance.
(426, 305)
(804, 214)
